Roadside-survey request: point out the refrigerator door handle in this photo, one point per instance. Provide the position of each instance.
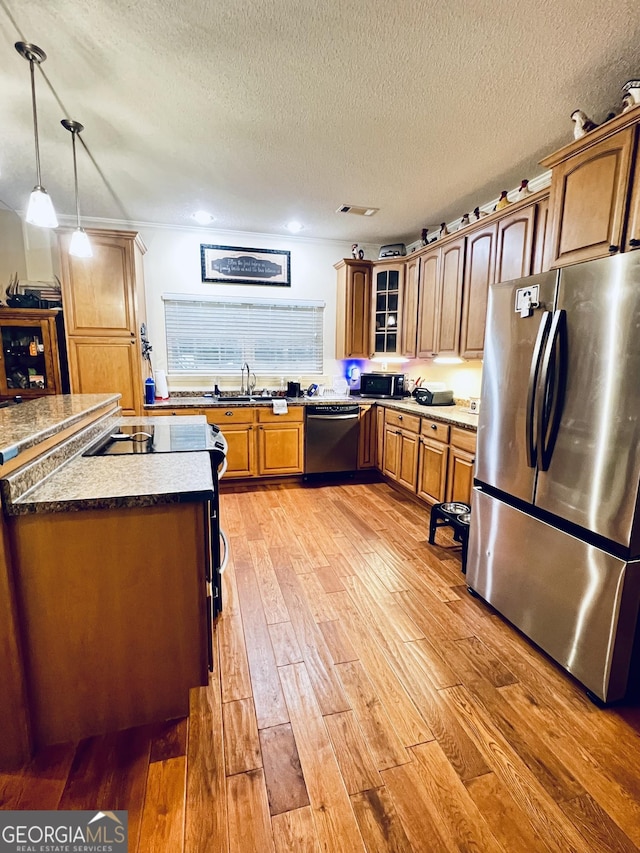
(534, 372)
(553, 376)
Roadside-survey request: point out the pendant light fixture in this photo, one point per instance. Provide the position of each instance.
(80, 246)
(40, 210)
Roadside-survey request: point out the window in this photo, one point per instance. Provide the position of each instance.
(217, 335)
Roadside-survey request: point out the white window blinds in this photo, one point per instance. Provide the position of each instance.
(217, 335)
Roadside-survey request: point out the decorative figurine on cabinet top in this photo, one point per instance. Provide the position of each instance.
(503, 201)
(523, 190)
(631, 97)
(424, 236)
(464, 221)
(479, 214)
(354, 251)
(443, 229)
(583, 124)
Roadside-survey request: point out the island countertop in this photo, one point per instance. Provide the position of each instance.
(106, 482)
(28, 424)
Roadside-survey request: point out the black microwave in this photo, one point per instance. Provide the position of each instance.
(382, 385)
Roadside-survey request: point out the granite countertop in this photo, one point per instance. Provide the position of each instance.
(107, 482)
(459, 416)
(27, 424)
(456, 415)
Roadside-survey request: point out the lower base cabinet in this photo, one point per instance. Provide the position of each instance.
(429, 458)
(401, 442)
(432, 461)
(261, 443)
(460, 470)
(367, 439)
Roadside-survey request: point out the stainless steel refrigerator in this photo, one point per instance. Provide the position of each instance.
(554, 541)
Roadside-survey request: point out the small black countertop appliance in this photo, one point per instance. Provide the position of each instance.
(384, 386)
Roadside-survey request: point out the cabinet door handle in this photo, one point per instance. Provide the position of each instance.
(434, 426)
(613, 249)
(228, 414)
(399, 417)
(634, 242)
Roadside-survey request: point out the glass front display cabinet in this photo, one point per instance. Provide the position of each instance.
(30, 355)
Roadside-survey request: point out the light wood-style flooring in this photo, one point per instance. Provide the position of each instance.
(362, 701)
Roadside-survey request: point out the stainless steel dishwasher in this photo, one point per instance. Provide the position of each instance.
(331, 438)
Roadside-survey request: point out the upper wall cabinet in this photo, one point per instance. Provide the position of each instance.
(478, 275)
(633, 228)
(410, 307)
(514, 248)
(353, 309)
(387, 297)
(428, 303)
(590, 191)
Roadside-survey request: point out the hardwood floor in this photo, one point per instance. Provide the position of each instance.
(362, 701)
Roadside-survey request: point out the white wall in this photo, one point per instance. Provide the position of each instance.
(172, 265)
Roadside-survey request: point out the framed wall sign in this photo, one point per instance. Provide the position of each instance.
(237, 265)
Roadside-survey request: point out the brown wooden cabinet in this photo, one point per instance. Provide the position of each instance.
(428, 303)
(440, 301)
(353, 309)
(379, 437)
(367, 437)
(461, 461)
(449, 311)
(387, 284)
(478, 275)
(401, 444)
(514, 246)
(280, 442)
(632, 240)
(432, 462)
(29, 353)
(104, 303)
(588, 203)
(541, 241)
(259, 442)
(409, 324)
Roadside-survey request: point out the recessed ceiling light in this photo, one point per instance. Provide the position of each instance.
(203, 217)
(294, 226)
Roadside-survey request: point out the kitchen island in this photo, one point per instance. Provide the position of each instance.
(106, 584)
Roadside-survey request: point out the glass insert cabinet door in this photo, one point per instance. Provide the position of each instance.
(387, 309)
(29, 359)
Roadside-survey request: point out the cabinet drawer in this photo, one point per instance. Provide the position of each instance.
(400, 419)
(231, 414)
(464, 439)
(155, 412)
(266, 415)
(435, 430)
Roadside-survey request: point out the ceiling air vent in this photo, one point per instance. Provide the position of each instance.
(357, 209)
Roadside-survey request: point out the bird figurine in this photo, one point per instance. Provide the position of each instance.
(631, 97)
(503, 201)
(464, 221)
(354, 251)
(582, 124)
(523, 190)
(424, 236)
(479, 213)
(443, 229)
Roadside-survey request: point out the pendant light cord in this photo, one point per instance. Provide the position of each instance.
(75, 177)
(35, 122)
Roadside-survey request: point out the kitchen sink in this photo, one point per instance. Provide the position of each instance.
(241, 398)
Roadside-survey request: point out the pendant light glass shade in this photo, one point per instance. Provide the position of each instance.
(80, 246)
(40, 210)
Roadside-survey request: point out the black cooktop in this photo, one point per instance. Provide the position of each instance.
(172, 437)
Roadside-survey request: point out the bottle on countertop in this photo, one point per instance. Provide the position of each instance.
(149, 390)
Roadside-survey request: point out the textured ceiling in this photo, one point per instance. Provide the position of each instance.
(262, 112)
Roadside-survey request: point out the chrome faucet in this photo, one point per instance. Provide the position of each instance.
(250, 386)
